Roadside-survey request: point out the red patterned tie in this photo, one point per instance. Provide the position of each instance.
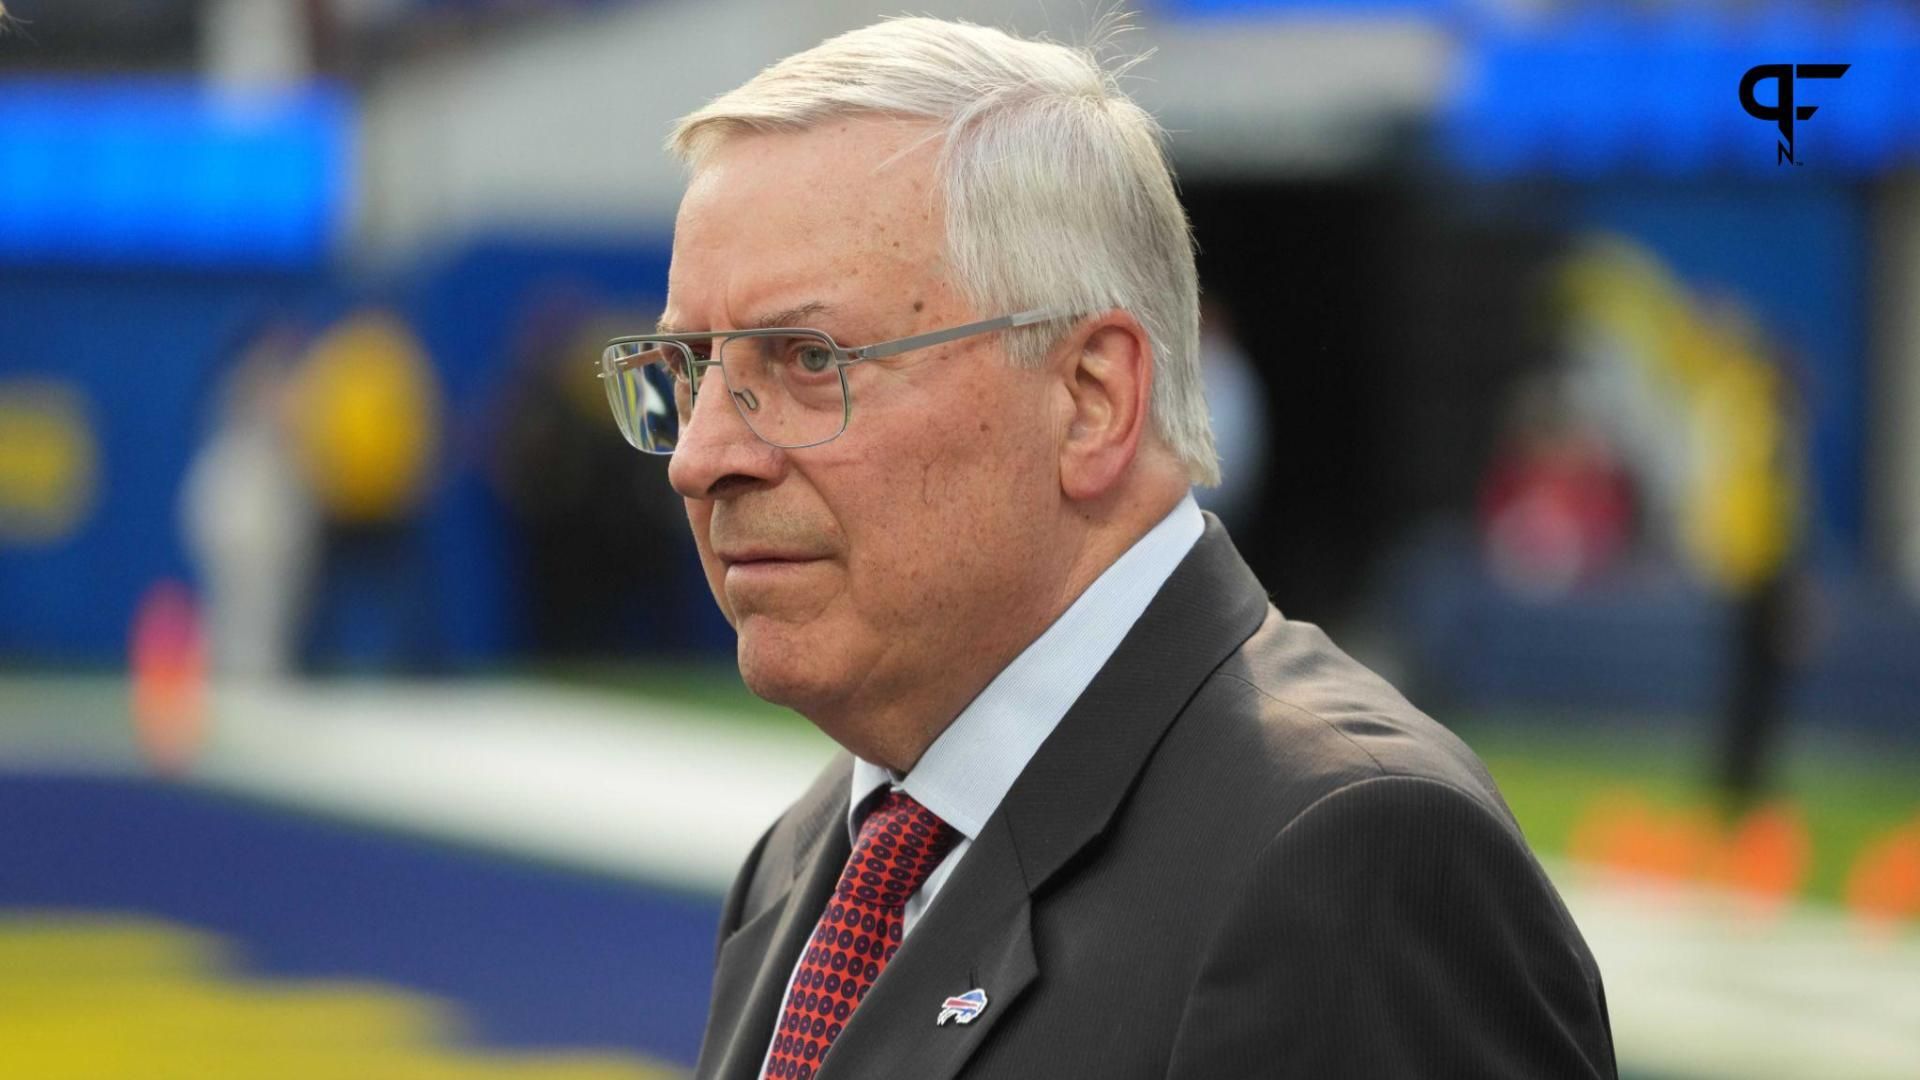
(900, 844)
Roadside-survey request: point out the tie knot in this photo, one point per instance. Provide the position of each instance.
(900, 843)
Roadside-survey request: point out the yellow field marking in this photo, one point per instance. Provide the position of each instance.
(109, 998)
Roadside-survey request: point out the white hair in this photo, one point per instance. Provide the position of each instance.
(1058, 193)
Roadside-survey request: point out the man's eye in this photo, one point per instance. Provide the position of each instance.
(813, 359)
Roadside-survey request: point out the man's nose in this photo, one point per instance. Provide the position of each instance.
(717, 452)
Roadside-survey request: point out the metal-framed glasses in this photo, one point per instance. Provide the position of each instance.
(788, 383)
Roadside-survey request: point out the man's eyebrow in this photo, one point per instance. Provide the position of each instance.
(793, 316)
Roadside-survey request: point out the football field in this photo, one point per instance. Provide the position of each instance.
(519, 877)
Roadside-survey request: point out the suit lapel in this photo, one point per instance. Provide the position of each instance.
(750, 979)
(978, 933)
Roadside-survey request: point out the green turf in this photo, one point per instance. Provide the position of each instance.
(1550, 773)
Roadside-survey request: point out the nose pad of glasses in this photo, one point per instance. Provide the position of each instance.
(747, 400)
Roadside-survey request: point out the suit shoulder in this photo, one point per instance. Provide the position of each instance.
(1290, 718)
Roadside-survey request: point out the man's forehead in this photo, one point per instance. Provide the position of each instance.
(774, 228)
(857, 176)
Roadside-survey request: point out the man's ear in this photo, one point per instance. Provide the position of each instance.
(1107, 372)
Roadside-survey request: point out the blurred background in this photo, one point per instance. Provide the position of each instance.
(355, 676)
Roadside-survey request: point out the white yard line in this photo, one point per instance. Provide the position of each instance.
(615, 785)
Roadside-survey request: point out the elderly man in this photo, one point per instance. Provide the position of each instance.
(928, 378)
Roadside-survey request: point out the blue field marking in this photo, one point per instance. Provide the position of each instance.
(535, 957)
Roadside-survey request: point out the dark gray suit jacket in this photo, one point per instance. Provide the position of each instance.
(1240, 854)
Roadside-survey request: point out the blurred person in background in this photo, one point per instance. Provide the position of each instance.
(368, 437)
(929, 378)
(1707, 407)
(248, 514)
(1557, 504)
(1756, 513)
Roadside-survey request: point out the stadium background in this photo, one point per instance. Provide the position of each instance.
(360, 712)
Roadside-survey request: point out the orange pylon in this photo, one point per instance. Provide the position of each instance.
(1884, 885)
(169, 678)
(1767, 855)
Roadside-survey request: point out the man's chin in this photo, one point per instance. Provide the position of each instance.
(777, 667)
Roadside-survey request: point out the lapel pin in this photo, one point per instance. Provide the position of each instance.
(962, 1009)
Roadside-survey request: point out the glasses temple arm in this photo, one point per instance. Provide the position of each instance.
(941, 337)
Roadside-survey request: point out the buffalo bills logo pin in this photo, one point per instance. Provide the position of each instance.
(963, 1008)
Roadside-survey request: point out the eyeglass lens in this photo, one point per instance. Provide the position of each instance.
(790, 389)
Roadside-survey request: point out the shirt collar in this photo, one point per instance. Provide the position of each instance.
(967, 771)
